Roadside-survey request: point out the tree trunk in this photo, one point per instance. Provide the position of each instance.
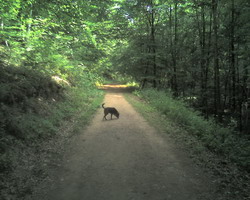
(175, 83)
(173, 47)
(203, 58)
(232, 58)
(217, 98)
(153, 45)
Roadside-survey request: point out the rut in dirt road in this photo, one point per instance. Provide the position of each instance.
(126, 159)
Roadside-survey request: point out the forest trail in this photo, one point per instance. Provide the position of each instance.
(126, 159)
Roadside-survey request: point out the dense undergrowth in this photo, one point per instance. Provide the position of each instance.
(220, 140)
(232, 182)
(34, 106)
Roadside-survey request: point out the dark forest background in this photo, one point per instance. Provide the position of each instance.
(198, 49)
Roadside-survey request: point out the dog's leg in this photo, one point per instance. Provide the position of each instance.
(104, 117)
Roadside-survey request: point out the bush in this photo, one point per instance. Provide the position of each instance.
(20, 83)
(33, 107)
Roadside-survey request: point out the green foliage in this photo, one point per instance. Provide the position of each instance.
(33, 35)
(20, 83)
(172, 44)
(33, 106)
(216, 138)
(40, 40)
(23, 96)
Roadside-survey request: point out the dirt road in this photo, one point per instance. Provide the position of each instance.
(126, 159)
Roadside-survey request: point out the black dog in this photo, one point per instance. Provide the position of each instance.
(110, 110)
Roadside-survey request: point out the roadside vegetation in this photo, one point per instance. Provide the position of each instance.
(48, 68)
(220, 150)
(36, 110)
(218, 139)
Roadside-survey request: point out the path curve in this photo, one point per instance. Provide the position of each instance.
(126, 159)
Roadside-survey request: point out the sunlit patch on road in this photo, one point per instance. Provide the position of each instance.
(116, 88)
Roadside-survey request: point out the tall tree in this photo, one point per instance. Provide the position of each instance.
(217, 95)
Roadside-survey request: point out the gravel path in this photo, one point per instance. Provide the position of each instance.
(126, 159)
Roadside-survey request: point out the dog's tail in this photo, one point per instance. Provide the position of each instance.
(103, 105)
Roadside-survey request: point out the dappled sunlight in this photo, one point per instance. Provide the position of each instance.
(108, 86)
(61, 81)
(116, 88)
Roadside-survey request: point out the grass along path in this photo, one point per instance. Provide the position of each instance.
(32, 161)
(233, 182)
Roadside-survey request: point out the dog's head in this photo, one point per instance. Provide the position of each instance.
(117, 114)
